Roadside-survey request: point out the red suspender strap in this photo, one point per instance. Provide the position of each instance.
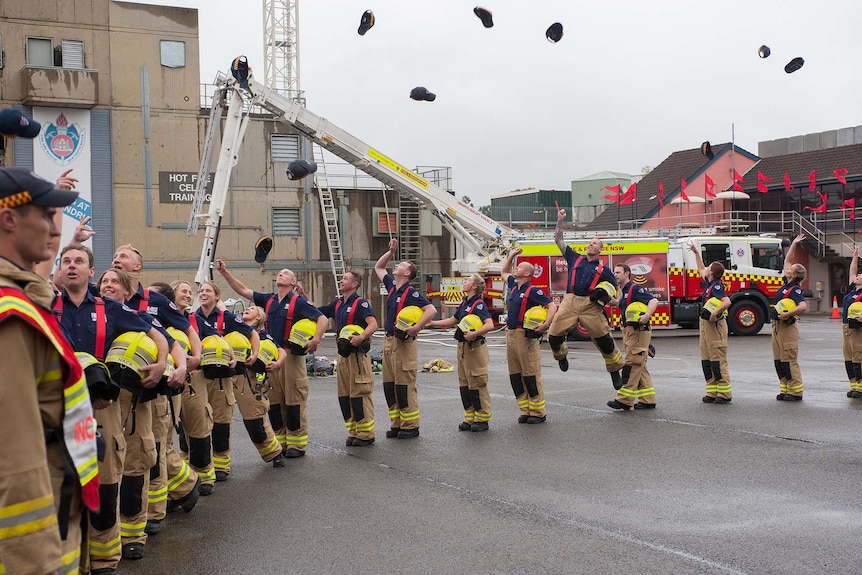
(220, 322)
(574, 272)
(475, 303)
(269, 303)
(403, 299)
(288, 321)
(631, 292)
(58, 307)
(142, 305)
(596, 279)
(350, 315)
(193, 320)
(524, 305)
(101, 328)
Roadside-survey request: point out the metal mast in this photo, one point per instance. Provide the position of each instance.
(281, 47)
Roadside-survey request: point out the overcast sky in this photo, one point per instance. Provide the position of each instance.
(630, 82)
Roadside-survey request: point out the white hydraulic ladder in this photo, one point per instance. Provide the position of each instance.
(213, 127)
(330, 219)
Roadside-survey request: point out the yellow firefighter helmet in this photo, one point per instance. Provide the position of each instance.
(215, 357)
(709, 307)
(267, 353)
(302, 332)
(99, 381)
(133, 350)
(784, 305)
(408, 317)
(634, 311)
(240, 344)
(604, 292)
(349, 331)
(182, 338)
(470, 322)
(534, 317)
(854, 311)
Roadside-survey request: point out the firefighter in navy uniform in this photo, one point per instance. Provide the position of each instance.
(220, 391)
(355, 323)
(713, 332)
(789, 305)
(522, 341)
(91, 324)
(473, 321)
(43, 395)
(636, 306)
(584, 303)
(400, 350)
(852, 328)
(288, 396)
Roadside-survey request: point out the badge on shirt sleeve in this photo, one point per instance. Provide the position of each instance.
(173, 306)
(365, 304)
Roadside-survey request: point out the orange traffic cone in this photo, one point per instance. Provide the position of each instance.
(835, 313)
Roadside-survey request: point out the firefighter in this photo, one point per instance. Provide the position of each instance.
(588, 290)
(473, 321)
(252, 400)
(221, 391)
(636, 308)
(400, 349)
(713, 332)
(196, 422)
(171, 478)
(522, 340)
(288, 396)
(355, 323)
(91, 324)
(47, 478)
(852, 328)
(136, 405)
(789, 305)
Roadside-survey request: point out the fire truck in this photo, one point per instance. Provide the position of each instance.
(667, 268)
(753, 264)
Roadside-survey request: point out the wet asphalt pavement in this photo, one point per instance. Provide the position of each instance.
(755, 486)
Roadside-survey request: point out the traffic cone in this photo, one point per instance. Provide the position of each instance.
(835, 313)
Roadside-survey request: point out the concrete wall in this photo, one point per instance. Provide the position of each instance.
(810, 142)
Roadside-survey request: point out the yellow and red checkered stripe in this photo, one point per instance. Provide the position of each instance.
(16, 200)
(660, 318)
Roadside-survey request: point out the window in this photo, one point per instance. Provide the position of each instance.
(385, 222)
(72, 54)
(716, 253)
(286, 222)
(284, 147)
(173, 54)
(40, 52)
(767, 256)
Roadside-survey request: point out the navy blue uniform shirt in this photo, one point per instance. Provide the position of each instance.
(637, 293)
(585, 273)
(232, 322)
(79, 323)
(362, 312)
(479, 309)
(537, 296)
(276, 315)
(409, 294)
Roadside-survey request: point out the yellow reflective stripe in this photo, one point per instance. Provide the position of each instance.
(646, 391)
(221, 463)
(523, 403)
(179, 478)
(536, 405)
(10, 303)
(71, 561)
(27, 517)
(2, 568)
(409, 415)
(349, 425)
(158, 495)
(300, 440)
(723, 388)
(269, 448)
(99, 549)
(53, 371)
(394, 413)
(89, 469)
(131, 530)
(626, 392)
(615, 358)
(209, 475)
(368, 426)
(482, 416)
(76, 393)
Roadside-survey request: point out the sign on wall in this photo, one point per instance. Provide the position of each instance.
(179, 187)
(64, 144)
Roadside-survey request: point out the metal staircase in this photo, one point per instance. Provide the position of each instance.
(330, 219)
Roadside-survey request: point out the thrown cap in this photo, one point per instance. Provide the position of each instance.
(366, 22)
(706, 150)
(298, 169)
(485, 16)
(262, 248)
(794, 65)
(239, 70)
(20, 186)
(14, 123)
(764, 51)
(554, 33)
(422, 94)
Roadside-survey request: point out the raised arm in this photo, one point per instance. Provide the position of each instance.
(854, 263)
(234, 283)
(791, 255)
(507, 265)
(698, 260)
(380, 266)
(558, 231)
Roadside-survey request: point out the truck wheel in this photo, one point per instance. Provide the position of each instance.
(578, 333)
(746, 317)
